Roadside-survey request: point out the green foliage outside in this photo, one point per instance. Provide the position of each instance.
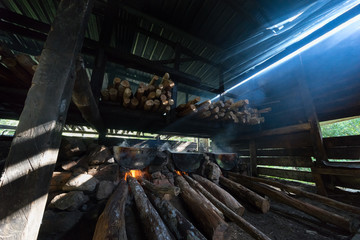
(344, 128)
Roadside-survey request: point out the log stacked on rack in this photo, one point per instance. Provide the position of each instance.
(229, 111)
(149, 97)
(15, 70)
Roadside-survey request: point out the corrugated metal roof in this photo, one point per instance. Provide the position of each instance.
(210, 29)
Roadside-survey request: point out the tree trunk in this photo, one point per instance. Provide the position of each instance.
(177, 223)
(253, 198)
(32, 157)
(229, 213)
(212, 224)
(154, 226)
(222, 195)
(111, 223)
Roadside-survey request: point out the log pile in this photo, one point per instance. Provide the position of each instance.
(238, 112)
(209, 207)
(150, 97)
(15, 70)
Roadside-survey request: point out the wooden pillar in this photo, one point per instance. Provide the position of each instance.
(315, 131)
(253, 157)
(98, 72)
(34, 150)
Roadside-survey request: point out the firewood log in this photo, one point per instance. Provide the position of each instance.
(171, 102)
(350, 225)
(113, 94)
(139, 93)
(166, 77)
(168, 94)
(246, 194)
(163, 98)
(111, 223)
(123, 85)
(222, 195)
(205, 114)
(160, 190)
(127, 93)
(116, 83)
(219, 104)
(325, 200)
(192, 102)
(204, 106)
(156, 105)
(134, 103)
(177, 223)
(26, 62)
(153, 80)
(105, 94)
(215, 110)
(154, 226)
(126, 102)
(160, 86)
(212, 224)
(151, 95)
(229, 213)
(157, 93)
(168, 85)
(148, 105)
(189, 110)
(142, 102)
(239, 104)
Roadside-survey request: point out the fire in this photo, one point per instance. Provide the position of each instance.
(134, 173)
(181, 173)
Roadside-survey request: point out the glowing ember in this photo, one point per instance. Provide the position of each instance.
(181, 173)
(134, 173)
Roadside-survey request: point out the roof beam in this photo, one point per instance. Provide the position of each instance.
(116, 55)
(163, 24)
(238, 7)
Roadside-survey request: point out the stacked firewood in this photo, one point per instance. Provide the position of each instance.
(228, 111)
(149, 97)
(15, 70)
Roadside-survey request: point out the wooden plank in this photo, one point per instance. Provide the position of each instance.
(336, 171)
(34, 150)
(288, 174)
(295, 140)
(286, 161)
(342, 141)
(343, 152)
(305, 152)
(252, 148)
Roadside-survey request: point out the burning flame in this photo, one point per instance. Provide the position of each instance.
(134, 173)
(181, 173)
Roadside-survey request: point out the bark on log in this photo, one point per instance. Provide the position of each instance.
(160, 190)
(105, 94)
(350, 225)
(26, 62)
(153, 80)
(84, 99)
(327, 201)
(34, 150)
(126, 102)
(113, 93)
(134, 103)
(222, 195)
(148, 105)
(111, 223)
(253, 198)
(154, 226)
(212, 224)
(177, 223)
(229, 213)
(156, 105)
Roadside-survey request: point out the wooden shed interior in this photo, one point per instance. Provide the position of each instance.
(294, 64)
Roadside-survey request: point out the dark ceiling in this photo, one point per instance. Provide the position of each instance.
(214, 41)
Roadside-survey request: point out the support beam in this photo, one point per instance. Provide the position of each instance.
(97, 76)
(315, 131)
(32, 157)
(253, 157)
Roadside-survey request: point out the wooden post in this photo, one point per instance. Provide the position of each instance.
(315, 131)
(252, 150)
(97, 76)
(32, 157)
